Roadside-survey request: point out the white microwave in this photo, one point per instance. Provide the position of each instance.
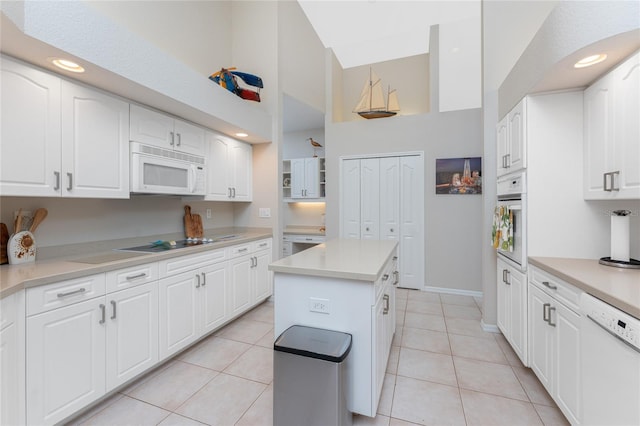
(163, 171)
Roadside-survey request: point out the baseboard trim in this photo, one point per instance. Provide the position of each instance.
(491, 328)
(447, 290)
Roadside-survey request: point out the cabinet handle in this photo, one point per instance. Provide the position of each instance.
(133, 277)
(171, 142)
(234, 192)
(615, 174)
(78, 291)
(604, 182)
(70, 176)
(385, 311)
(242, 250)
(395, 258)
(113, 306)
(385, 277)
(229, 192)
(508, 281)
(179, 139)
(508, 160)
(57, 175)
(263, 245)
(198, 283)
(552, 324)
(505, 276)
(391, 230)
(546, 284)
(545, 312)
(102, 308)
(396, 274)
(204, 279)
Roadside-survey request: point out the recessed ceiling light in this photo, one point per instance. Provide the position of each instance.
(590, 60)
(66, 65)
(241, 135)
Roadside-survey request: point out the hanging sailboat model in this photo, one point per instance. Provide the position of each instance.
(372, 103)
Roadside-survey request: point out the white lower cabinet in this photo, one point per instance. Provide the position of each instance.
(132, 333)
(178, 313)
(554, 340)
(512, 307)
(250, 280)
(12, 359)
(65, 360)
(87, 336)
(383, 318)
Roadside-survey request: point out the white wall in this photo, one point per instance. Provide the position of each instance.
(460, 64)
(303, 214)
(452, 228)
(296, 144)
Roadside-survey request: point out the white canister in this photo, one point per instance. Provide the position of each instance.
(620, 235)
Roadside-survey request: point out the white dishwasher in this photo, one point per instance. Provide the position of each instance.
(610, 364)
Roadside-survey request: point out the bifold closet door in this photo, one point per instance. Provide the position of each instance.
(370, 198)
(350, 202)
(411, 254)
(389, 198)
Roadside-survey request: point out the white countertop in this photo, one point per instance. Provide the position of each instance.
(80, 262)
(617, 286)
(340, 258)
(304, 230)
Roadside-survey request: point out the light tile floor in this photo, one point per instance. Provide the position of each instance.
(443, 370)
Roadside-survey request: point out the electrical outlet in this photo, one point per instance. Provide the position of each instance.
(264, 212)
(208, 213)
(319, 305)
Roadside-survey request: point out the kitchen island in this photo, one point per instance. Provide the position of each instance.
(347, 286)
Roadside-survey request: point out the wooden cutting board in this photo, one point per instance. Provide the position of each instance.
(4, 240)
(198, 231)
(188, 222)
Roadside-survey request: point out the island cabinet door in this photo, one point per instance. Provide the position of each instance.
(379, 350)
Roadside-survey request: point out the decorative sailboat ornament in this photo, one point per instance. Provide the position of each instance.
(372, 104)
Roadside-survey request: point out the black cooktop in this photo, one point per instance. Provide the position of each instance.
(161, 246)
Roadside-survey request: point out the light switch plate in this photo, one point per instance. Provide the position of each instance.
(264, 212)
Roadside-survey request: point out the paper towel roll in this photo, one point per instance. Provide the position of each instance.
(620, 235)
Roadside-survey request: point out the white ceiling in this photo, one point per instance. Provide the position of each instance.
(363, 32)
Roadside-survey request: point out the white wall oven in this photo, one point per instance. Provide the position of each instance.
(512, 202)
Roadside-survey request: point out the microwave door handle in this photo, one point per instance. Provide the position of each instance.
(192, 178)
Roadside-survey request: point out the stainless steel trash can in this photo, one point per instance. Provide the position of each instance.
(310, 384)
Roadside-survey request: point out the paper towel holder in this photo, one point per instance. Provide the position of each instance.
(608, 261)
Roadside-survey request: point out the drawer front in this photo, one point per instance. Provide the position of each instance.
(51, 296)
(130, 277)
(387, 277)
(181, 264)
(239, 250)
(262, 245)
(556, 288)
(309, 239)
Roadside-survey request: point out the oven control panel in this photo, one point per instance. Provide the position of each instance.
(616, 322)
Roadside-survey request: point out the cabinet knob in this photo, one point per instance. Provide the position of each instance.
(391, 229)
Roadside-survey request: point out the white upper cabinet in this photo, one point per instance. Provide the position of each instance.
(95, 147)
(305, 177)
(61, 139)
(229, 169)
(612, 134)
(31, 139)
(511, 140)
(161, 130)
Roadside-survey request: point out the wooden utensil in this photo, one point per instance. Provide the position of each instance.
(17, 224)
(38, 217)
(188, 222)
(4, 240)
